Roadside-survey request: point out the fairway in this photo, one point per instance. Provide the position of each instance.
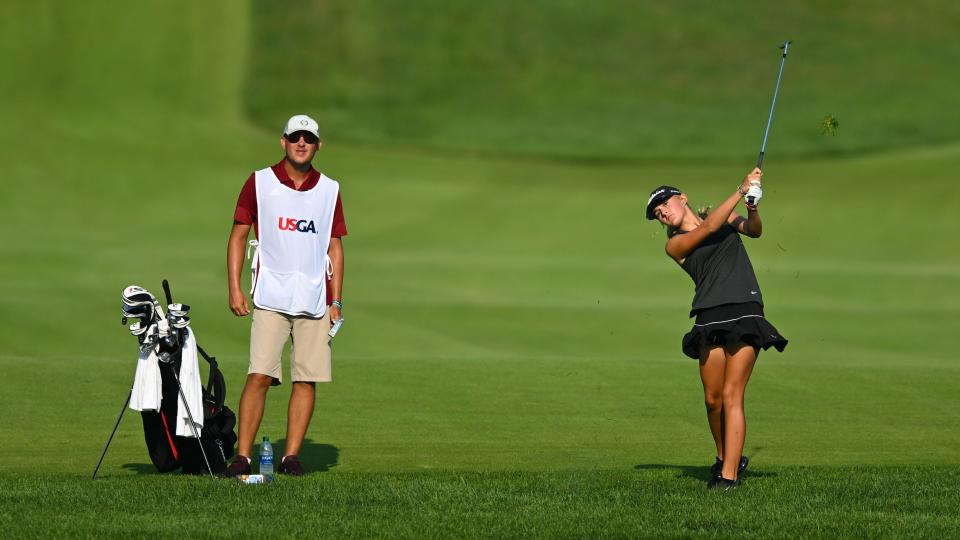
(510, 364)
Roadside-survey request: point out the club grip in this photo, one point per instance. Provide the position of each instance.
(166, 292)
(760, 160)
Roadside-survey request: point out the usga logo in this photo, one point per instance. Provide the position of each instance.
(293, 224)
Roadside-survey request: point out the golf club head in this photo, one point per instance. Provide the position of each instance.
(785, 46)
(148, 338)
(135, 295)
(180, 322)
(177, 310)
(138, 328)
(141, 311)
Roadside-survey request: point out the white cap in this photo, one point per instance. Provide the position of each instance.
(302, 122)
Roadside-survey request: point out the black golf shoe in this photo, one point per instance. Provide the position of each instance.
(717, 468)
(720, 483)
(291, 465)
(240, 465)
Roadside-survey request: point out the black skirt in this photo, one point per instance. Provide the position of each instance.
(730, 324)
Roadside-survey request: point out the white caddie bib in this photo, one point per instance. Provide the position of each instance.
(291, 268)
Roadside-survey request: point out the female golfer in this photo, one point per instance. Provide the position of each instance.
(730, 328)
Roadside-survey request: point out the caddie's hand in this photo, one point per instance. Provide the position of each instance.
(238, 303)
(753, 196)
(335, 314)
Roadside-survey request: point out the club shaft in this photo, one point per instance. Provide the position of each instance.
(776, 90)
(112, 433)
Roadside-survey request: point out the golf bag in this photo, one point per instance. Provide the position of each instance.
(170, 452)
(162, 339)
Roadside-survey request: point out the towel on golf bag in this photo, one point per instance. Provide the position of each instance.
(147, 385)
(192, 388)
(147, 390)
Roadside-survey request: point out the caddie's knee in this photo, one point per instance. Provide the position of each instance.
(259, 381)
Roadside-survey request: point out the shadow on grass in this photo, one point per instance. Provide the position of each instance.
(140, 468)
(699, 472)
(315, 457)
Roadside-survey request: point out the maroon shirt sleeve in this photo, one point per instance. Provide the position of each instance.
(246, 211)
(339, 225)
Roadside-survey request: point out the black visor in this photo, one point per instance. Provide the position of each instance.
(657, 197)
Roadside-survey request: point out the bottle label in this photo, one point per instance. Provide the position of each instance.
(253, 479)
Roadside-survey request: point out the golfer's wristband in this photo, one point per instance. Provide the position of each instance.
(337, 303)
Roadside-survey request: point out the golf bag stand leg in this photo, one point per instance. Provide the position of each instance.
(193, 427)
(112, 433)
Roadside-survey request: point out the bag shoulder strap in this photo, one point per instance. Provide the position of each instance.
(216, 386)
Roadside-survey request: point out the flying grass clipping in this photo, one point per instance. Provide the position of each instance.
(829, 125)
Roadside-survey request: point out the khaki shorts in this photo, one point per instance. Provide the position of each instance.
(309, 352)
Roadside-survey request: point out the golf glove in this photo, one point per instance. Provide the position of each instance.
(753, 196)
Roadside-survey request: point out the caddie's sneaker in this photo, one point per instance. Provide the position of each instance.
(717, 468)
(722, 484)
(291, 465)
(239, 465)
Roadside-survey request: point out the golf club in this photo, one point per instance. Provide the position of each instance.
(183, 398)
(776, 89)
(135, 295)
(141, 311)
(137, 328)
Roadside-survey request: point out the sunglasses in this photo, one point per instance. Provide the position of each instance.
(308, 137)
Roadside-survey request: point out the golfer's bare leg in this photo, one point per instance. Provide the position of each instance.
(252, 402)
(712, 362)
(740, 364)
(299, 413)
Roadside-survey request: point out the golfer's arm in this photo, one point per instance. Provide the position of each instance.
(681, 245)
(235, 247)
(335, 251)
(754, 224)
(751, 225)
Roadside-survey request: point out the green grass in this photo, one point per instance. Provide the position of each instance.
(510, 364)
(616, 80)
(653, 501)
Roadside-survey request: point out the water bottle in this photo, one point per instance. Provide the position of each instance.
(266, 459)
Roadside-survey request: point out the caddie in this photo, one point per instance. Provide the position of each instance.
(297, 277)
